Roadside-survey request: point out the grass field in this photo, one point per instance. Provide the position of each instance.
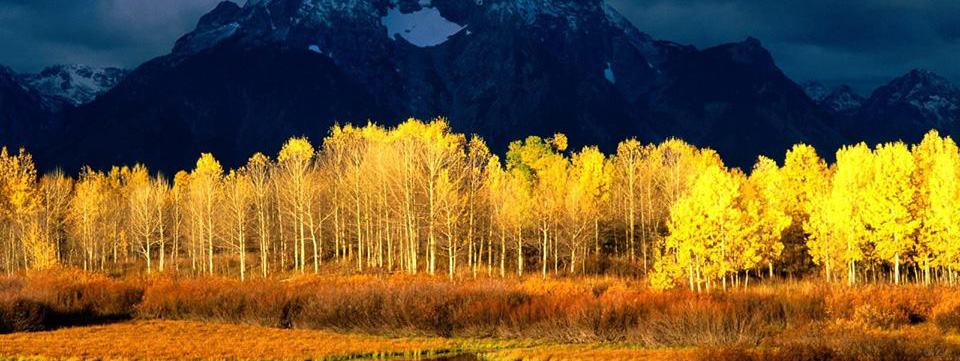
(192, 340)
(82, 316)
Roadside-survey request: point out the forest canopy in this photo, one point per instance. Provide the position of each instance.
(419, 198)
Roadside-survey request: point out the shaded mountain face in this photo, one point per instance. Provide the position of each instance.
(231, 101)
(908, 107)
(842, 101)
(734, 99)
(25, 118)
(73, 84)
(249, 77)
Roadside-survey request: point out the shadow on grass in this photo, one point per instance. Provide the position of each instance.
(24, 315)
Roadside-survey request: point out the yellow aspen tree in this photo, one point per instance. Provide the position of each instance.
(519, 204)
(354, 152)
(749, 232)
(294, 163)
(406, 194)
(887, 204)
(734, 246)
(161, 206)
(755, 224)
(498, 192)
(179, 211)
(541, 163)
(442, 150)
(117, 219)
(143, 219)
(767, 182)
(854, 171)
(588, 189)
(86, 213)
(444, 158)
(55, 192)
(700, 226)
(238, 199)
(837, 231)
(478, 156)
(258, 169)
(452, 202)
(804, 176)
(628, 165)
(511, 198)
(375, 169)
(21, 203)
(205, 188)
(935, 178)
(941, 222)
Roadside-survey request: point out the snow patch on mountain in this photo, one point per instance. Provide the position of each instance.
(933, 97)
(843, 99)
(423, 28)
(815, 90)
(608, 73)
(837, 100)
(209, 38)
(74, 84)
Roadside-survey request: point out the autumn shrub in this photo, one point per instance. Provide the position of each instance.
(19, 314)
(81, 297)
(851, 342)
(883, 306)
(713, 320)
(561, 310)
(58, 298)
(586, 310)
(218, 299)
(946, 314)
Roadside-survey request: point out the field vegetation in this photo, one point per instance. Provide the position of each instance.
(186, 340)
(504, 319)
(427, 236)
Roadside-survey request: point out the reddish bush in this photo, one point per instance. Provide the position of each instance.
(19, 314)
(883, 306)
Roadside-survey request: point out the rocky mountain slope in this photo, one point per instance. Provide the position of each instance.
(904, 109)
(25, 117)
(73, 85)
(250, 76)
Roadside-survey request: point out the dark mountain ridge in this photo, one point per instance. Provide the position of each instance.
(904, 109)
(249, 77)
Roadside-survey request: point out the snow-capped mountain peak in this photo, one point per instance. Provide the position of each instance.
(73, 84)
(843, 99)
(815, 90)
(839, 100)
(931, 96)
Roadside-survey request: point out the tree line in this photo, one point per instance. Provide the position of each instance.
(421, 198)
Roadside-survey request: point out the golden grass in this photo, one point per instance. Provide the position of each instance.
(190, 340)
(593, 352)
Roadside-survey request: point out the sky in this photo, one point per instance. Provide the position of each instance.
(863, 43)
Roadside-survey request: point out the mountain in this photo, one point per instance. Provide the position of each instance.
(25, 117)
(815, 90)
(908, 107)
(250, 76)
(73, 84)
(842, 101)
(734, 98)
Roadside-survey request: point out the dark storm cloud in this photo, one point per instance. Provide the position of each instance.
(38, 33)
(862, 42)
